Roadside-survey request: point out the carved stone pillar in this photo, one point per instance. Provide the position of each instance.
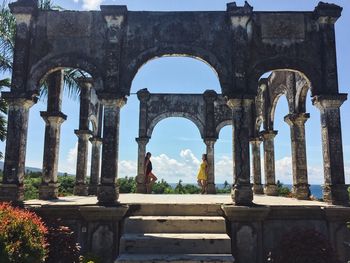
(255, 147)
(301, 187)
(241, 193)
(49, 186)
(95, 164)
(269, 162)
(140, 178)
(11, 188)
(81, 187)
(108, 192)
(211, 165)
(53, 118)
(335, 190)
(84, 134)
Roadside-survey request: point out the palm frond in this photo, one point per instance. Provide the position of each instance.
(5, 83)
(7, 37)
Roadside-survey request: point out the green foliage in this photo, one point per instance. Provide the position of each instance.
(127, 185)
(304, 245)
(62, 245)
(22, 236)
(66, 185)
(32, 181)
(162, 187)
(283, 190)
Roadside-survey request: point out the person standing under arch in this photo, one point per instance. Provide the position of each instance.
(202, 176)
(150, 178)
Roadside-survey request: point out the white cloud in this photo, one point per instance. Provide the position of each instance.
(70, 163)
(91, 4)
(76, 1)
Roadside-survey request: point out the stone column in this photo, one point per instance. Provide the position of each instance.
(53, 118)
(11, 188)
(241, 193)
(108, 192)
(95, 164)
(335, 190)
(255, 147)
(81, 187)
(296, 121)
(211, 165)
(269, 162)
(140, 178)
(49, 186)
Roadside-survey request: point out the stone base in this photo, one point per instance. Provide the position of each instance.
(258, 189)
(81, 189)
(242, 195)
(140, 184)
(11, 193)
(271, 189)
(301, 191)
(211, 188)
(92, 189)
(48, 191)
(336, 194)
(108, 195)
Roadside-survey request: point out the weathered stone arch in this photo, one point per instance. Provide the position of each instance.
(305, 68)
(196, 121)
(203, 55)
(222, 125)
(52, 63)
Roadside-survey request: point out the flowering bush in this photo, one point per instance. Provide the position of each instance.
(22, 236)
(62, 244)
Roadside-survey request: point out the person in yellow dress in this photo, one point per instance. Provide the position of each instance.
(202, 176)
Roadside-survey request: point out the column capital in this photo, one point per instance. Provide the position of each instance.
(143, 95)
(329, 101)
(142, 140)
(83, 134)
(111, 99)
(326, 13)
(255, 140)
(23, 10)
(53, 117)
(210, 96)
(268, 135)
(96, 140)
(210, 141)
(85, 82)
(296, 118)
(237, 103)
(24, 101)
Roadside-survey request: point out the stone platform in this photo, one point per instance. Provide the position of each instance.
(127, 199)
(169, 223)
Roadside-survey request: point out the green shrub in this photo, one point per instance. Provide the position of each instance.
(62, 244)
(162, 187)
(283, 190)
(127, 185)
(22, 236)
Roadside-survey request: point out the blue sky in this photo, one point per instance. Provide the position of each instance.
(176, 144)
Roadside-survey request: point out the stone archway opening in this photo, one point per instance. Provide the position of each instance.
(70, 91)
(164, 75)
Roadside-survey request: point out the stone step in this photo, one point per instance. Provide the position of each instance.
(176, 258)
(170, 243)
(175, 210)
(174, 224)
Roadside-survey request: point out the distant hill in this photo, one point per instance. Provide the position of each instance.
(30, 169)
